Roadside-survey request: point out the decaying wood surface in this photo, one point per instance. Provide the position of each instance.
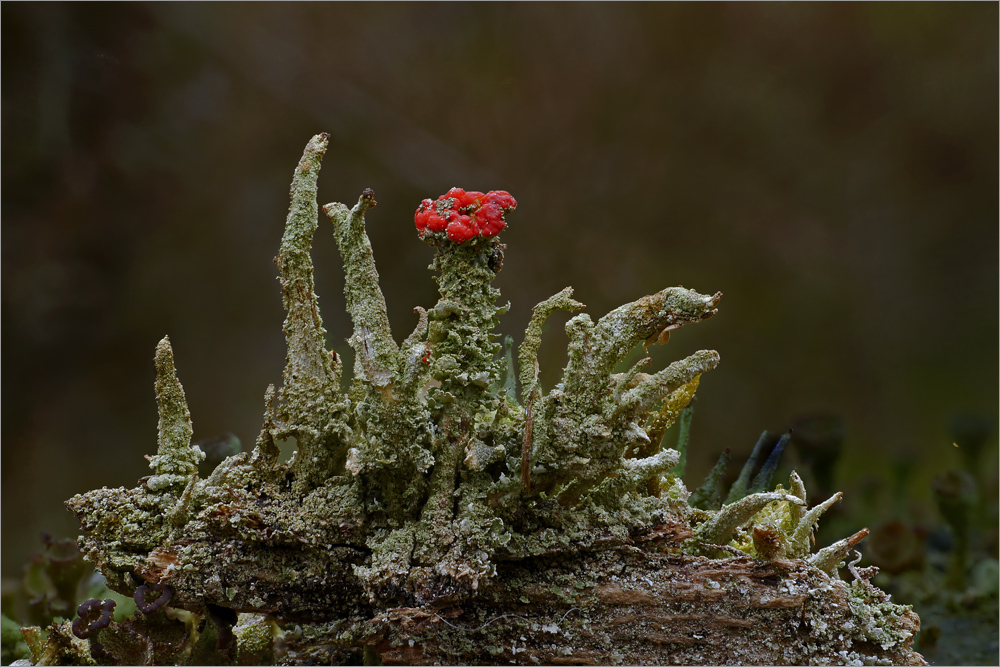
(644, 604)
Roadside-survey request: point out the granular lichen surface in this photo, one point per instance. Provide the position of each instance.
(447, 508)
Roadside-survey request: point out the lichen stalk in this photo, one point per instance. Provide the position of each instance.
(527, 354)
(461, 324)
(374, 348)
(830, 558)
(798, 489)
(311, 385)
(390, 444)
(719, 529)
(800, 539)
(654, 389)
(175, 459)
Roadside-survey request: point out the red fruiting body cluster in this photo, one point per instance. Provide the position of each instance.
(464, 215)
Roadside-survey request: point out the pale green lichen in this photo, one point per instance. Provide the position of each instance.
(374, 349)
(309, 402)
(422, 485)
(799, 541)
(719, 529)
(527, 355)
(831, 558)
(175, 460)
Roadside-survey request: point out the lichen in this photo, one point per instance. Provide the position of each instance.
(433, 512)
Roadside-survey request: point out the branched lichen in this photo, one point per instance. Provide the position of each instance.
(428, 515)
(527, 355)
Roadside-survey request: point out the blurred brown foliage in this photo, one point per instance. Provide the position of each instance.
(832, 168)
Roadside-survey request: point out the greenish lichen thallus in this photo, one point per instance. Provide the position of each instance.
(446, 508)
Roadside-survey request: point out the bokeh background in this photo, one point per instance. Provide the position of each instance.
(832, 168)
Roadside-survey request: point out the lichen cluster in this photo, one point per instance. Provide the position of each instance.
(446, 479)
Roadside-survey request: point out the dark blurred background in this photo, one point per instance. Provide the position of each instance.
(832, 168)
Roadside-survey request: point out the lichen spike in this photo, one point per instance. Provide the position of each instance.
(797, 489)
(832, 557)
(648, 318)
(799, 542)
(266, 449)
(719, 529)
(174, 454)
(653, 389)
(527, 353)
(308, 363)
(663, 418)
(374, 348)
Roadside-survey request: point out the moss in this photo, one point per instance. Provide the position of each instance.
(12, 644)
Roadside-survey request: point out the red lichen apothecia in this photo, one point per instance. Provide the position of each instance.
(464, 215)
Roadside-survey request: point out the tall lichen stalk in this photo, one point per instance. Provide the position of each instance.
(310, 404)
(437, 512)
